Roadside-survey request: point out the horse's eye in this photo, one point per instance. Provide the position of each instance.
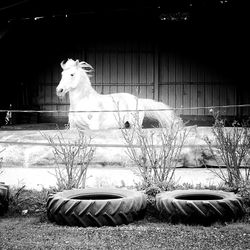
(72, 74)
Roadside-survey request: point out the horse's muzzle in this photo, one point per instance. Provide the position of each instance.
(60, 92)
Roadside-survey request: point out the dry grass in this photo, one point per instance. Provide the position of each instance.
(34, 231)
(30, 233)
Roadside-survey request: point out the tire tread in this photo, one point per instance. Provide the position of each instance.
(199, 211)
(97, 213)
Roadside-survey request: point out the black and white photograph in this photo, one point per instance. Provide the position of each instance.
(124, 124)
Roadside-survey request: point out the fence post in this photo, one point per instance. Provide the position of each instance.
(156, 73)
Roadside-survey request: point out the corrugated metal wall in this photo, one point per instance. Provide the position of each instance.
(122, 67)
(187, 84)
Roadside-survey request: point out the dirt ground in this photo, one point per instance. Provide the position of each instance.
(29, 233)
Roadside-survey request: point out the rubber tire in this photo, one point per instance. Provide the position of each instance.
(4, 198)
(96, 207)
(203, 207)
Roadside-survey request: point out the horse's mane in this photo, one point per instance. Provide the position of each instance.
(71, 63)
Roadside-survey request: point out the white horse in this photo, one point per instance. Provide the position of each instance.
(75, 80)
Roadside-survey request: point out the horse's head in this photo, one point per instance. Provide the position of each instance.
(73, 72)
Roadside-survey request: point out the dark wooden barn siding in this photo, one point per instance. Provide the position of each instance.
(122, 67)
(186, 84)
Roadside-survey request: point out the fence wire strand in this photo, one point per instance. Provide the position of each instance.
(123, 110)
(98, 111)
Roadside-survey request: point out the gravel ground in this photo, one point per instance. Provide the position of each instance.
(29, 233)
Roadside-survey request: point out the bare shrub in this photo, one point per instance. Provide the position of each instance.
(155, 152)
(72, 159)
(232, 146)
(1, 159)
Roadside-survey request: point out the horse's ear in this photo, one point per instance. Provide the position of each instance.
(87, 67)
(62, 64)
(77, 63)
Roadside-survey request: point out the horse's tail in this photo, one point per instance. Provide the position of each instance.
(160, 112)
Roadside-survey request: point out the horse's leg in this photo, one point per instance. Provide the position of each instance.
(72, 125)
(134, 119)
(93, 126)
(77, 122)
(71, 122)
(141, 117)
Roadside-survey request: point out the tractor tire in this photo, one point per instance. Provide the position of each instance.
(96, 207)
(203, 207)
(4, 198)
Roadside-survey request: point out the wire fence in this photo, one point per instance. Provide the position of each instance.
(94, 145)
(124, 110)
(10, 111)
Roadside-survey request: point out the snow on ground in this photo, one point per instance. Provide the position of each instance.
(39, 155)
(37, 178)
(32, 165)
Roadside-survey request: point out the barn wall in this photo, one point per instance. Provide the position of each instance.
(187, 84)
